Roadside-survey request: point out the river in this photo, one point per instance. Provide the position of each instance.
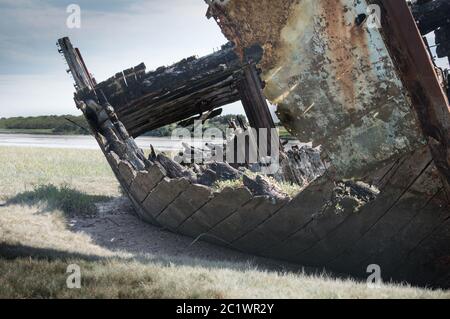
(81, 142)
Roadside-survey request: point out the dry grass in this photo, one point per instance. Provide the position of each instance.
(21, 169)
(37, 245)
(289, 189)
(130, 279)
(37, 227)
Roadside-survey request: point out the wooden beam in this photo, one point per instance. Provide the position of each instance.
(419, 77)
(77, 67)
(253, 100)
(255, 104)
(146, 101)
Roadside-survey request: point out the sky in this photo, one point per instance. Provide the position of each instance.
(114, 35)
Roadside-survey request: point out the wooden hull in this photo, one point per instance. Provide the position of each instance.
(404, 231)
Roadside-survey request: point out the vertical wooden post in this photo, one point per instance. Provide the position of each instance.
(253, 100)
(255, 104)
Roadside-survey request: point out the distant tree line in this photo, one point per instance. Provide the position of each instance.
(77, 125)
(220, 122)
(63, 124)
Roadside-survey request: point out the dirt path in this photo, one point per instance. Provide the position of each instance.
(117, 228)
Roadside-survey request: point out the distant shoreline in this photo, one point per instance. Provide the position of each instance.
(69, 125)
(38, 132)
(80, 142)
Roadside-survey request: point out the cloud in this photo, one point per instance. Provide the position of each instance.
(31, 95)
(114, 35)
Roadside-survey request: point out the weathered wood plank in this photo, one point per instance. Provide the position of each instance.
(353, 228)
(127, 173)
(145, 181)
(319, 227)
(140, 211)
(379, 237)
(430, 260)
(113, 159)
(163, 195)
(191, 200)
(247, 218)
(419, 78)
(146, 101)
(220, 207)
(392, 252)
(295, 215)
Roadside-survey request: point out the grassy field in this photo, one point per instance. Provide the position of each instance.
(21, 169)
(41, 190)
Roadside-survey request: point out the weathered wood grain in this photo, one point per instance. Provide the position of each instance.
(163, 195)
(220, 207)
(191, 200)
(392, 252)
(113, 159)
(380, 236)
(127, 173)
(430, 260)
(351, 230)
(247, 218)
(295, 215)
(145, 181)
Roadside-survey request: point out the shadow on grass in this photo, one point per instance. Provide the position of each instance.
(71, 202)
(12, 252)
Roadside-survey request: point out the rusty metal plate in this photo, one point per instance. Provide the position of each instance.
(331, 75)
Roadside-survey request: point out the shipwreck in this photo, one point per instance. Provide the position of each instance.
(356, 78)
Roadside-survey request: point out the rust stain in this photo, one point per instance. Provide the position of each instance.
(337, 33)
(317, 53)
(347, 48)
(240, 24)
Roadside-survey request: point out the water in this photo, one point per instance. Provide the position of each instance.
(81, 142)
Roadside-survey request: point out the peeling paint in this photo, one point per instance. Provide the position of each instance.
(315, 53)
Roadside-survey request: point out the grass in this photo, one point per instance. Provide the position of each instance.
(34, 228)
(113, 278)
(22, 169)
(289, 189)
(37, 245)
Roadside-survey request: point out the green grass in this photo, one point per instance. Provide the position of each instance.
(22, 169)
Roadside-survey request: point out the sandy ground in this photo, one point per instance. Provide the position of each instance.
(118, 229)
